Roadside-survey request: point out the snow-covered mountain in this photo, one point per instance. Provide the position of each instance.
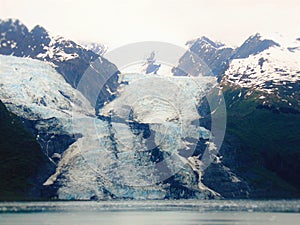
(262, 63)
(260, 81)
(262, 95)
(212, 58)
(70, 59)
(143, 154)
(98, 48)
(204, 57)
(275, 72)
(148, 135)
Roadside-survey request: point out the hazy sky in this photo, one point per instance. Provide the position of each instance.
(118, 22)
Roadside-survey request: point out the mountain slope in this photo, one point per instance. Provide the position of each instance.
(70, 59)
(262, 145)
(275, 72)
(210, 58)
(263, 125)
(23, 166)
(204, 57)
(254, 45)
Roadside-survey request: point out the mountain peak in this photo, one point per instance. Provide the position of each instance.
(12, 21)
(39, 30)
(205, 41)
(254, 45)
(12, 25)
(213, 43)
(259, 37)
(256, 36)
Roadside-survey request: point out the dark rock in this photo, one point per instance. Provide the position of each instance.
(204, 57)
(23, 165)
(212, 59)
(252, 46)
(220, 179)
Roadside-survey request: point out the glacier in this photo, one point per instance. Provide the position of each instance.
(131, 149)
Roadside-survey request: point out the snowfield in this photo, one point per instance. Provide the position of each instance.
(276, 66)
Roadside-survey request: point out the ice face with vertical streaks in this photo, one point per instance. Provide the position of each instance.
(131, 148)
(168, 106)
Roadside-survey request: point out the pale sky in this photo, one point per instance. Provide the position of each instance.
(119, 22)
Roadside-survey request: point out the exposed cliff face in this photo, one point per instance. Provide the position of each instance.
(253, 46)
(23, 166)
(204, 57)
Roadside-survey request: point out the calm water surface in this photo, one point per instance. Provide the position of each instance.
(151, 213)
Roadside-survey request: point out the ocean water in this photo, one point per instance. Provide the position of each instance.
(187, 212)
